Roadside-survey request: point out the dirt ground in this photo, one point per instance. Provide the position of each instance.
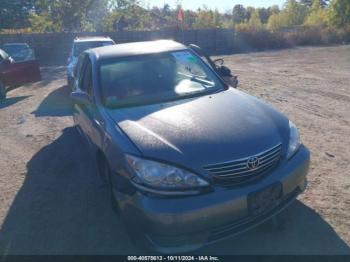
(51, 201)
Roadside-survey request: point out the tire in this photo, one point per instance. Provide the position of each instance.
(2, 91)
(105, 173)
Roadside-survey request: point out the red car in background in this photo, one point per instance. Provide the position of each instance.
(15, 73)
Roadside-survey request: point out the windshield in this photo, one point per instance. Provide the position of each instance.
(82, 46)
(19, 52)
(14, 48)
(155, 78)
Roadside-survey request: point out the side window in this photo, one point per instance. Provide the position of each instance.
(78, 70)
(87, 78)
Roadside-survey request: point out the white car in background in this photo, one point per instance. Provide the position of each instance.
(80, 44)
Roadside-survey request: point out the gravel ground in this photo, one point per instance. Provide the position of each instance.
(51, 201)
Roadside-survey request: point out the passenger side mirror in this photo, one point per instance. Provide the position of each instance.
(227, 76)
(224, 71)
(218, 62)
(79, 97)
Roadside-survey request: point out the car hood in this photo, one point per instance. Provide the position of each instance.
(204, 130)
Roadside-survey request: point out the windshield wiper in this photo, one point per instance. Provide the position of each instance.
(201, 80)
(198, 79)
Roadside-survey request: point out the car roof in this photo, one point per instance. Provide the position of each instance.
(92, 38)
(135, 48)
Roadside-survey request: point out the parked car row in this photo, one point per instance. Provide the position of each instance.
(19, 66)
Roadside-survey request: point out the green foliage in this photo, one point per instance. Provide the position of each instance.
(318, 15)
(111, 15)
(264, 14)
(42, 23)
(254, 20)
(238, 14)
(340, 13)
(275, 22)
(205, 19)
(14, 13)
(71, 15)
(293, 14)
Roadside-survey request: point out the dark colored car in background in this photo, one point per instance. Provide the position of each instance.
(15, 73)
(189, 160)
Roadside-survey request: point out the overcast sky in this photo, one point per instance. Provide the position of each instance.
(222, 5)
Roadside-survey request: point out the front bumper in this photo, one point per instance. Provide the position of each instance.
(171, 225)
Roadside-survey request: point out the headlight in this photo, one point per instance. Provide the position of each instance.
(161, 176)
(294, 140)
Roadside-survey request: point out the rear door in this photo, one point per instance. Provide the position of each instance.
(19, 73)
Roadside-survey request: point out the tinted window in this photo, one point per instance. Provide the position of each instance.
(155, 78)
(19, 52)
(78, 71)
(87, 78)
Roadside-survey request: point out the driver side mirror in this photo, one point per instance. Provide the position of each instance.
(79, 97)
(218, 62)
(227, 76)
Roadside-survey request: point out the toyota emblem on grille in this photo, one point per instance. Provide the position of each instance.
(253, 162)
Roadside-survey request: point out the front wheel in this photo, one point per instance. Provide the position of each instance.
(105, 177)
(2, 91)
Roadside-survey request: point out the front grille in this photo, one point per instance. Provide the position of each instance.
(238, 171)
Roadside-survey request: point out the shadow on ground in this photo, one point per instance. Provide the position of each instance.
(11, 100)
(62, 208)
(303, 231)
(57, 103)
(50, 74)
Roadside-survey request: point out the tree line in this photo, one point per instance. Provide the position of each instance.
(111, 15)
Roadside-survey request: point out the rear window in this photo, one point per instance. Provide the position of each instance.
(82, 46)
(19, 52)
(13, 49)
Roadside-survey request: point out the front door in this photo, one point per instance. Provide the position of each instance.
(86, 116)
